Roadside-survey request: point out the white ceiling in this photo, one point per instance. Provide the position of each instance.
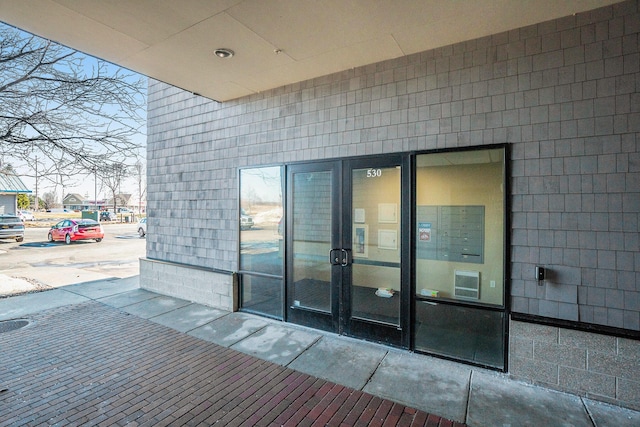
(276, 42)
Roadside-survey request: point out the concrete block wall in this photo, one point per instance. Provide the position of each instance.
(215, 289)
(598, 366)
(562, 94)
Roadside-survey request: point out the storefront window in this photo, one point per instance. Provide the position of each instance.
(458, 305)
(261, 240)
(460, 255)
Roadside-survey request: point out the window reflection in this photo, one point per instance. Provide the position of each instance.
(261, 214)
(312, 212)
(466, 333)
(261, 240)
(262, 295)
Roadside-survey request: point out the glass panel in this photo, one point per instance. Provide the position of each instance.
(312, 210)
(472, 334)
(460, 226)
(261, 240)
(375, 290)
(262, 295)
(459, 253)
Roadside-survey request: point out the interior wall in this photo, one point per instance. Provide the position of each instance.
(368, 196)
(460, 185)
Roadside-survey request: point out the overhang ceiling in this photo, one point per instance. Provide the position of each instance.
(276, 42)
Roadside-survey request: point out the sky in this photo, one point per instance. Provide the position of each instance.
(84, 185)
(80, 184)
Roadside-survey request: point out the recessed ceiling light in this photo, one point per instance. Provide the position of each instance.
(223, 53)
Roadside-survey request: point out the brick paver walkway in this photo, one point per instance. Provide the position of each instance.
(90, 364)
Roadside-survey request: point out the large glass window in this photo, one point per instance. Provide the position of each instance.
(459, 254)
(261, 240)
(375, 287)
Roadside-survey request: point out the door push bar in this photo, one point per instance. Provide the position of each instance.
(339, 257)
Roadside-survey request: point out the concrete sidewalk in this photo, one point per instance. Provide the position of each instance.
(450, 390)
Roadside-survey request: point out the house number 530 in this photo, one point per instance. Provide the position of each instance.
(374, 173)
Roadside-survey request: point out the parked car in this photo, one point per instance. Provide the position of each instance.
(142, 227)
(26, 216)
(246, 222)
(107, 216)
(70, 230)
(11, 227)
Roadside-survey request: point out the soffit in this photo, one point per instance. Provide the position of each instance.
(276, 42)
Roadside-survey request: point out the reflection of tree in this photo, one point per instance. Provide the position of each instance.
(261, 185)
(251, 198)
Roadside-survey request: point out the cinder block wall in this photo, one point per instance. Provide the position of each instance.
(204, 286)
(599, 366)
(563, 94)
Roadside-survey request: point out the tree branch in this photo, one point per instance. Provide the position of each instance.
(56, 106)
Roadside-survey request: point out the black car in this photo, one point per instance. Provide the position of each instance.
(107, 216)
(11, 227)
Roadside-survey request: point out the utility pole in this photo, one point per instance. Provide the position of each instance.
(95, 187)
(35, 202)
(61, 184)
(139, 168)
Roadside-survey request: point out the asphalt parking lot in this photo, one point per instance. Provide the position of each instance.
(36, 264)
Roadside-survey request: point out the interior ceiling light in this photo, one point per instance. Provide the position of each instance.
(223, 53)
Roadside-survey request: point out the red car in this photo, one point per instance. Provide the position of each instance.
(69, 230)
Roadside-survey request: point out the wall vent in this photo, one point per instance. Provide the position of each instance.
(467, 284)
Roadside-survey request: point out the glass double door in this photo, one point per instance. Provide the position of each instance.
(345, 248)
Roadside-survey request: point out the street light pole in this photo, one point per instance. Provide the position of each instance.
(95, 187)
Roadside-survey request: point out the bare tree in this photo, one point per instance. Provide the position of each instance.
(112, 177)
(49, 199)
(6, 168)
(142, 187)
(53, 108)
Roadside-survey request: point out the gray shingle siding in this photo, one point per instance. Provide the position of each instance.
(563, 94)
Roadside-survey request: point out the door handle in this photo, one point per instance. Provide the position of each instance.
(345, 257)
(334, 257)
(339, 257)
